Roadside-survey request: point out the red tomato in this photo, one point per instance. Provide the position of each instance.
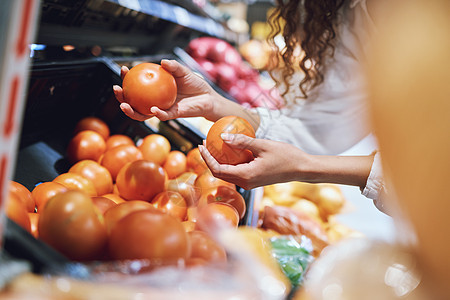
(34, 220)
(141, 180)
(115, 158)
(71, 224)
(44, 191)
(224, 194)
(147, 85)
(23, 194)
(204, 247)
(195, 162)
(171, 203)
(74, 181)
(223, 153)
(117, 212)
(86, 144)
(207, 181)
(103, 203)
(216, 216)
(117, 140)
(145, 234)
(94, 124)
(17, 212)
(175, 164)
(155, 147)
(95, 172)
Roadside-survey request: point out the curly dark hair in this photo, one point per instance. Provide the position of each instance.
(309, 24)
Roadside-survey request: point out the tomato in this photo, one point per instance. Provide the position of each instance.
(188, 225)
(94, 124)
(207, 181)
(34, 220)
(147, 85)
(17, 212)
(155, 147)
(74, 181)
(86, 144)
(204, 247)
(223, 153)
(195, 162)
(95, 172)
(175, 164)
(44, 191)
(141, 180)
(23, 194)
(224, 194)
(114, 197)
(103, 203)
(216, 216)
(117, 140)
(145, 234)
(71, 224)
(171, 203)
(115, 158)
(117, 212)
(188, 177)
(188, 191)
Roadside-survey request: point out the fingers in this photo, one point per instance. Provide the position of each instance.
(118, 92)
(164, 115)
(128, 110)
(123, 71)
(242, 141)
(175, 68)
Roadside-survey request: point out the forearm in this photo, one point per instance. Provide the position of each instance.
(348, 170)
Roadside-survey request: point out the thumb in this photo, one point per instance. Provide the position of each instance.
(242, 141)
(174, 68)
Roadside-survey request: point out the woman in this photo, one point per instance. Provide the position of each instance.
(325, 112)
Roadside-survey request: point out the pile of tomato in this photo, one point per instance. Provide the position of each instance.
(124, 200)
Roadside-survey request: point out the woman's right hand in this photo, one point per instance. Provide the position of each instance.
(195, 97)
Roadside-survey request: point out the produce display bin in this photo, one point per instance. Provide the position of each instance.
(61, 93)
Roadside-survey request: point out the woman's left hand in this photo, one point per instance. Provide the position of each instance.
(273, 162)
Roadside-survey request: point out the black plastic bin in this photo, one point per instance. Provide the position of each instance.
(59, 95)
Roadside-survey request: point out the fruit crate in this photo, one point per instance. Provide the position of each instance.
(61, 93)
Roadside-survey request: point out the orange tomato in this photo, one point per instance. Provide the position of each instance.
(224, 194)
(114, 197)
(188, 177)
(17, 212)
(74, 181)
(204, 247)
(86, 144)
(145, 234)
(188, 191)
(117, 212)
(94, 124)
(117, 140)
(171, 203)
(103, 203)
(216, 216)
(71, 224)
(207, 181)
(115, 158)
(223, 153)
(95, 172)
(44, 191)
(175, 164)
(147, 85)
(23, 194)
(195, 161)
(34, 220)
(188, 225)
(155, 147)
(141, 180)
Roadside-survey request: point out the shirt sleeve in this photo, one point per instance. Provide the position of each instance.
(375, 188)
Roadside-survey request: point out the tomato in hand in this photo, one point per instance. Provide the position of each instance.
(17, 212)
(92, 123)
(141, 180)
(23, 194)
(195, 161)
(99, 175)
(175, 164)
(147, 85)
(74, 181)
(171, 203)
(216, 216)
(145, 234)
(117, 140)
(115, 158)
(204, 247)
(155, 147)
(117, 212)
(86, 144)
(46, 190)
(223, 153)
(224, 194)
(71, 224)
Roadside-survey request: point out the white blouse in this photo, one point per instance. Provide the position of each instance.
(335, 116)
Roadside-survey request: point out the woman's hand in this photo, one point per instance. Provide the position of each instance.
(195, 97)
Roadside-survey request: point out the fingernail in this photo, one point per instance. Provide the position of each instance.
(226, 136)
(115, 88)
